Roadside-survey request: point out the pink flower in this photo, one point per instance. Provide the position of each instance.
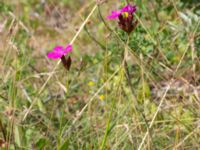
(59, 51)
(130, 9)
(114, 15)
(126, 18)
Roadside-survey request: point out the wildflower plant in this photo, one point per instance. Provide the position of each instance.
(127, 23)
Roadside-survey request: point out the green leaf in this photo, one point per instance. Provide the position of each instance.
(65, 145)
(19, 136)
(41, 144)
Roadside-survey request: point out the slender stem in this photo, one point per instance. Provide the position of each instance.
(83, 24)
(94, 39)
(128, 76)
(3, 97)
(2, 130)
(127, 73)
(108, 128)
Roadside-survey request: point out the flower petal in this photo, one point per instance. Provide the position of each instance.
(58, 48)
(59, 51)
(114, 15)
(54, 55)
(68, 49)
(129, 8)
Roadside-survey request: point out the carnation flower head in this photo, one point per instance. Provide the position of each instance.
(125, 17)
(59, 51)
(130, 9)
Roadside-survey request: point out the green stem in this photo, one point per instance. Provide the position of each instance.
(2, 130)
(94, 39)
(108, 128)
(128, 76)
(127, 1)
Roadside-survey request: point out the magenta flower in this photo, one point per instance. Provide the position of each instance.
(114, 15)
(130, 9)
(125, 17)
(59, 51)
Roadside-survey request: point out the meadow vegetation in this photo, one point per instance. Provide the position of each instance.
(137, 91)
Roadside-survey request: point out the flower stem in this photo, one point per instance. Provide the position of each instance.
(127, 1)
(2, 130)
(128, 76)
